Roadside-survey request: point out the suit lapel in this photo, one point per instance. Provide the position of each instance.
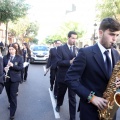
(14, 59)
(99, 59)
(114, 59)
(67, 50)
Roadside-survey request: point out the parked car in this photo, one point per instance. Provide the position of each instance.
(39, 54)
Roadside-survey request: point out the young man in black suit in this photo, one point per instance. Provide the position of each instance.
(65, 57)
(91, 70)
(52, 64)
(1, 47)
(1, 75)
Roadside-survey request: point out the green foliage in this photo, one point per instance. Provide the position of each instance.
(23, 28)
(108, 8)
(11, 10)
(72, 26)
(61, 34)
(32, 30)
(35, 41)
(19, 27)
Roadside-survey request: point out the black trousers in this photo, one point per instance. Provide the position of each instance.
(62, 88)
(53, 74)
(26, 72)
(22, 73)
(11, 90)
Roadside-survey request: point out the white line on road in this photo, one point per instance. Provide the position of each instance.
(44, 68)
(57, 115)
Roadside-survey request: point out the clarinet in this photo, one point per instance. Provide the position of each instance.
(6, 71)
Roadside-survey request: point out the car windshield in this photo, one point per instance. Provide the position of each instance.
(40, 48)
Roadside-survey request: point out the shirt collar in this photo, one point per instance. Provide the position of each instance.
(69, 46)
(102, 49)
(12, 55)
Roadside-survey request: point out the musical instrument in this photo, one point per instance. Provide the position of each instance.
(6, 71)
(47, 71)
(112, 95)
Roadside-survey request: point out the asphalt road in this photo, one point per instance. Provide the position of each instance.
(34, 102)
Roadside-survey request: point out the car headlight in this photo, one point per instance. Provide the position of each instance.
(47, 55)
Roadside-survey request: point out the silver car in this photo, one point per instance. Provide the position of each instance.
(39, 54)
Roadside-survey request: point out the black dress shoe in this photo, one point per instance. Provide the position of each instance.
(57, 108)
(51, 88)
(24, 80)
(12, 118)
(21, 82)
(55, 96)
(17, 94)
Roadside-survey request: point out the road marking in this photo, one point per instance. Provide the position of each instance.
(57, 115)
(44, 68)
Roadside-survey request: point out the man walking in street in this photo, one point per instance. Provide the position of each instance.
(1, 75)
(90, 73)
(65, 57)
(52, 64)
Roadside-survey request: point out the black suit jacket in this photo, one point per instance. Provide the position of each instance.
(15, 71)
(63, 61)
(1, 75)
(1, 46)
(24, 53)
(88, 74)
(52, 60)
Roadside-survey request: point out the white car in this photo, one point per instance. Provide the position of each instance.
(39, 54)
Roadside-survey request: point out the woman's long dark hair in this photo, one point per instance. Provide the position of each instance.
(27, 47)
(12, 45)
(19, 50)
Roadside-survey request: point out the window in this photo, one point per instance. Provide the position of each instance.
(40, 48)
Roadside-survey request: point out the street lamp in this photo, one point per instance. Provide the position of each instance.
(94, 38)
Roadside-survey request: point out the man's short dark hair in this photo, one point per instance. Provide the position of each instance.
(86, 45)
(109, 23)
(71, 32)
(56, 41)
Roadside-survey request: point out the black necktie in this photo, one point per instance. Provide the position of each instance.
(71, 50)
(11, 58)
(108, 63)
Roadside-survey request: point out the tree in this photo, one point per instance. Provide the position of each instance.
(11, 10)
(16, 30)
(108, 8)
(35, 41)
(23, 29)
(61, 34)
(32, 30)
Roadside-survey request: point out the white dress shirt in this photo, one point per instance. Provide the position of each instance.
(70, 47)
(102, 49)
(13, 56)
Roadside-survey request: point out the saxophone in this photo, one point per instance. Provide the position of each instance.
(112, 95)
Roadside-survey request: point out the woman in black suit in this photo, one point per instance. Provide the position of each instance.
(15, 64)
(26, 57)
(19, 53)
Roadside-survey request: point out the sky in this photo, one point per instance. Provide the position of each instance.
(51, 14)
